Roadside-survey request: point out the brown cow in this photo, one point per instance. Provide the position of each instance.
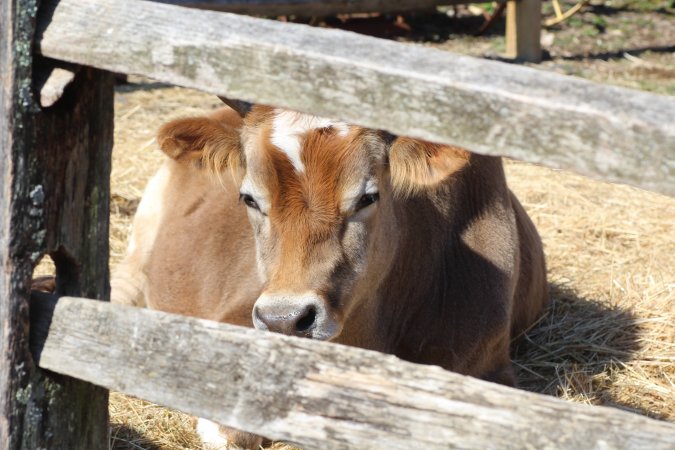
(336, 232)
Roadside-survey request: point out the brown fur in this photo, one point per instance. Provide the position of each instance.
(445, 269)
(416, 165)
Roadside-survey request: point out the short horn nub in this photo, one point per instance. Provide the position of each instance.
(240, 106)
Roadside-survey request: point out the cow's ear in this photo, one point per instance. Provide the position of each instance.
(417, 165)
(204, 142)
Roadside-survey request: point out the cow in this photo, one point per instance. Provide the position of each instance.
(312, 227)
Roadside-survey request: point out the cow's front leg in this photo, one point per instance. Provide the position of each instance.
(218, 437)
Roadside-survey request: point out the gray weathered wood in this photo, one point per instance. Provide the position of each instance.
(54, 166)
(486, 106)
(317, 394)
(308, 8)
(56, 81)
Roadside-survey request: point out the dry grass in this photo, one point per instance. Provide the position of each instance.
(608, 338)
(137, 424)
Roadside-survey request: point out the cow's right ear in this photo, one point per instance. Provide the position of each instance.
(203, 142)
(417, 165)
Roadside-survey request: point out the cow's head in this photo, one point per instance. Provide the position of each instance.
(322, 199)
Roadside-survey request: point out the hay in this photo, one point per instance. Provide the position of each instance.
(136, 424)
(609, 335)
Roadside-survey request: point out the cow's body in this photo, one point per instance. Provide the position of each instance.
(398, 246)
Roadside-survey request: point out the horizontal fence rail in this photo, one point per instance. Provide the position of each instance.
(307, 8)
(486, 106)
(315, 394)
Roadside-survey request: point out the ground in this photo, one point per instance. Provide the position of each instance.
(609, 335)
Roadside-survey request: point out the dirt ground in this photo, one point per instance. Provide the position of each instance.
(609, 335)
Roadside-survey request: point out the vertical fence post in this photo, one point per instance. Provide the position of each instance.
(523, 30)
(54, 194)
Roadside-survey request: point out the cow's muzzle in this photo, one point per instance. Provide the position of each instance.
(305, 315)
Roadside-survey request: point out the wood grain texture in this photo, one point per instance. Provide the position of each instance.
(15, 69)
(308, 8)
(54, 166)
(488, 107)
(317, 394)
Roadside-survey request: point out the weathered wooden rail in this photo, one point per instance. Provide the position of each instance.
(54, 186)
(486, 106)
(316, 394)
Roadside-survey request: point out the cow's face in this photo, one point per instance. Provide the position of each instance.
(321, 197)
(315, 191)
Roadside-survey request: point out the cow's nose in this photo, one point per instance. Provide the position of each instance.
(296, 322)
(295, 315)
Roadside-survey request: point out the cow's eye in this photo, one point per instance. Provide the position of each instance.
(367, 200)
(249, 201)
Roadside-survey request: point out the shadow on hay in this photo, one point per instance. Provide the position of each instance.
(576, 348)
(124, 86)
(416, 26)
(606, 55)
(124, 437)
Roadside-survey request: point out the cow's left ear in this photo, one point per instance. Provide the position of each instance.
(211, 142)
(416, 165)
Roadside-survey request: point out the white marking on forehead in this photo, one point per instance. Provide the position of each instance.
(288, 127)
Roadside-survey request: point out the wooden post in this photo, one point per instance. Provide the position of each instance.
(523, 30)
(54, 190)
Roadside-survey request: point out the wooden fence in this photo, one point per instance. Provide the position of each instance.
(54, 190)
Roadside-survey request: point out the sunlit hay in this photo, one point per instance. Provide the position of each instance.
(137, 424)
(608, 338)
(45, 267)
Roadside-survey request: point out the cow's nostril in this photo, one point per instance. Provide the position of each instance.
(258, 321)
(307, 320)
